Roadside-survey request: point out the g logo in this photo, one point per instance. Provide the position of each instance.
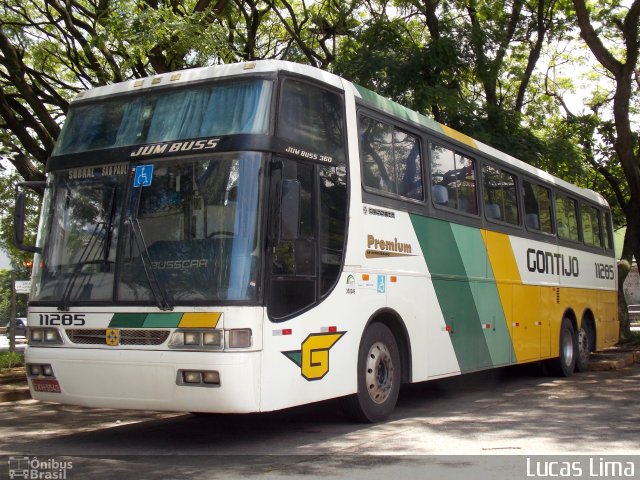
(313, 358)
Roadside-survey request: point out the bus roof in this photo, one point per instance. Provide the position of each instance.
(270, 66)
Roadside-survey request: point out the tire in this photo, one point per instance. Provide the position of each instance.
(585, 339)
(379, 374)
(565, 364)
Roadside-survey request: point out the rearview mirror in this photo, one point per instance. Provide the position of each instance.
(19, 217)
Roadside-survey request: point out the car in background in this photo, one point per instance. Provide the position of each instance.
(21, 327)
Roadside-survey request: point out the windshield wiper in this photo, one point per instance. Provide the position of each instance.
(157, 289)
(103, 230)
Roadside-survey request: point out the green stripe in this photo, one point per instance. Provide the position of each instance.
(162, 320)
(442, 244)
(128, 320)
(146, 320)
(395, 108)
(485, 294)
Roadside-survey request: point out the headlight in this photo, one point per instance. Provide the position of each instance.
(36, 335)
(193, 338)
(211, 339)
(214, 338)
(44, 336)
(39, 370)
(197, 339)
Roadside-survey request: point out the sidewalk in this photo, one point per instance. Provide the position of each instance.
(14, 387)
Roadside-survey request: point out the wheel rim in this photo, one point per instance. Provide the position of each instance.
(567, 347)
(583, 345)
(379, 373)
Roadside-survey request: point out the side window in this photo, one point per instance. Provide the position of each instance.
(500, 199)
(333, 224)
(537, 208)
(390, 158)
(406, 149)
(608, 232)
(590, 225)
(293, 265)
(312, 117)
(567, 218)
(305, 266)
(376, 147)
(453, 180)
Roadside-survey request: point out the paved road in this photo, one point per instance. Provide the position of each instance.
(509, 411)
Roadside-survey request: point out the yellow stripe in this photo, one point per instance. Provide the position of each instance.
(534, 313)
(503, 262)
(461, 137)
(200, 320)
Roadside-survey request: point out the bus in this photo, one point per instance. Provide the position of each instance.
(256, 236)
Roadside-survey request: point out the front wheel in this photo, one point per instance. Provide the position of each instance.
(379, 374)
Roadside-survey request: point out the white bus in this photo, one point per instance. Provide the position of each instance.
(250, 237)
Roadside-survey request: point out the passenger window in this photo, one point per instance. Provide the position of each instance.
(453, 180)
(391, 160)
(313, 117)
(566, 218)
(376, 146)
(537, 208)
(500, 199)
(590, 226)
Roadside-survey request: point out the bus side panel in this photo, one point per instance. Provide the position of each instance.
(568, 283)
(530, 309)
(410, 292)
(313, 356)
(607, 324)
(469, 298)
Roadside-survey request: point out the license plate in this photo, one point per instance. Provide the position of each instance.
(46, 386)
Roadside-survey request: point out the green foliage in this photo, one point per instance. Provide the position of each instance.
(483, 67)
(10, 360)
(632, 340)
(18, 258)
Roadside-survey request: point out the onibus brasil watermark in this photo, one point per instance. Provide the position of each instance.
(38, 469)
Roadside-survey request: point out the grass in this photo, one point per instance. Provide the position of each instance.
(632, 341)
(9, 360)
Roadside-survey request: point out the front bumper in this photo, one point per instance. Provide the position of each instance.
(135, 379)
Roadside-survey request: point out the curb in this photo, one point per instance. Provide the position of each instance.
(14, 393)
(13, 385)
(602, 361)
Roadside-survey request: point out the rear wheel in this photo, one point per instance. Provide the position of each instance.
(378, 376)
(584, 347)
(565, 364)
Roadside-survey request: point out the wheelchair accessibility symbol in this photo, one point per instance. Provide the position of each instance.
(382, 283)
(143, 176)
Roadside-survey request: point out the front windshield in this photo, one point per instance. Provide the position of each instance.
(188, 234)
(77, 238)
(195, 228)
(160, 116)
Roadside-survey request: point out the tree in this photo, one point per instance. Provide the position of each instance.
(619, 56)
